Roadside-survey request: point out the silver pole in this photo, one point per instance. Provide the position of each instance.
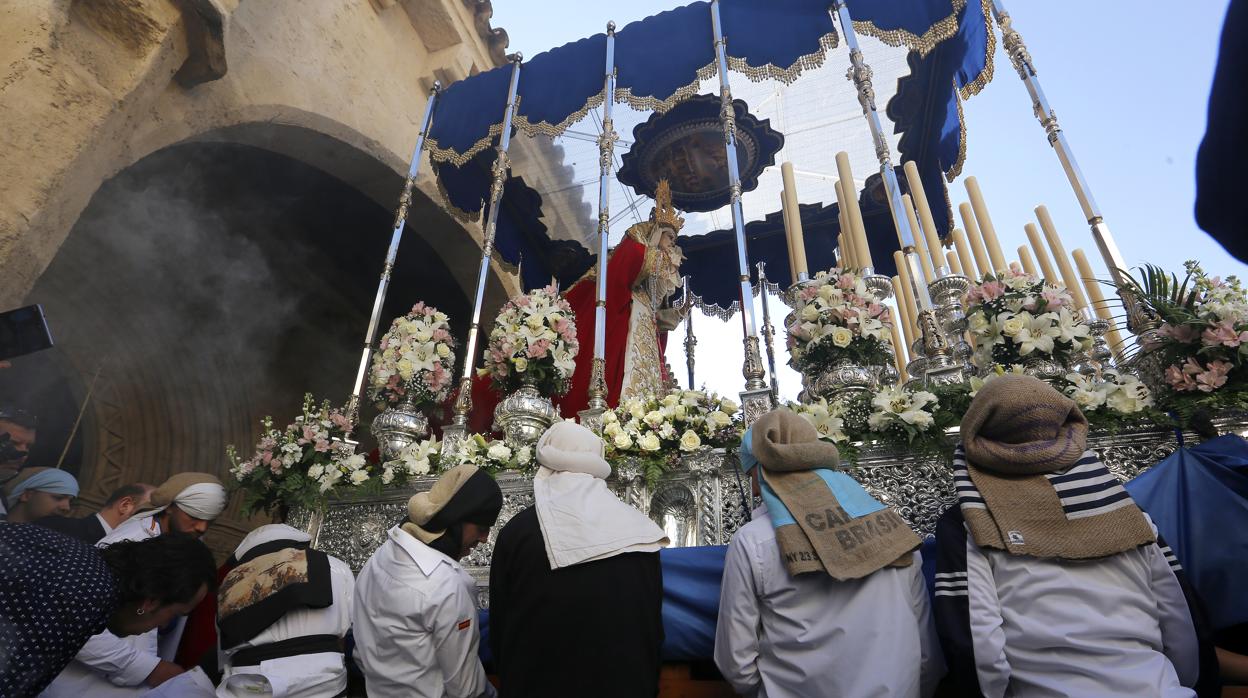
(396, 235)
(769, 332)
(756, 398)
(942, 369)
(1021, 58)
(592, 417)
(691, 340)
(458, 429)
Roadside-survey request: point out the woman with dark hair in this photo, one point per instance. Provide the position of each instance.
(57, 592)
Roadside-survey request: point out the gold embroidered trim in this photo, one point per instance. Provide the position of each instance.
(466, 217)
(788, 75)
(625, 95)
(544, 128)
(457, 159)
(938, 32)
(956, 169)
(990, 48)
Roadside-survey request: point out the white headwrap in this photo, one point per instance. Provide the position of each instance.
(199, 495)
(580, 519)
(267, 534)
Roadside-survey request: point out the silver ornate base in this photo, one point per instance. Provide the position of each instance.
(524, 416)
(704, 500)
(398, 427)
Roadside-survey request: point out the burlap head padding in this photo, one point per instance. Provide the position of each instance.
(1019, 425)
(785, 442)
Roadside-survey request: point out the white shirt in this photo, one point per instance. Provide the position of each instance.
(1117, 625)
(109, 665)
(809, 636)
(320, 675)
(416, 629)
(107, 529)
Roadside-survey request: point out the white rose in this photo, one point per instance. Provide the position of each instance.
(612, 430)
(359, 477)
(650, 442)
(667, 431)
(355, 462)
(842, 336)
(809, 313)
(524, 454)
(622, 441)
(653, 418)
(419, 467)
(689, 441)
(316, 471)
(443, 350)
(1013, 325)
(728, 406)
(720, 419)
(521, 364)
(499, 452)
(387, 476)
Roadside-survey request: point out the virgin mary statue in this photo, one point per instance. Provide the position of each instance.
(642, 273)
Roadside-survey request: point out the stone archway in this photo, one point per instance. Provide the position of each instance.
(212, 283)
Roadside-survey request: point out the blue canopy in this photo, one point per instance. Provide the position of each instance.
(660, 60)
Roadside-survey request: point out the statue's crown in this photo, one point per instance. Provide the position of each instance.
(664, 213)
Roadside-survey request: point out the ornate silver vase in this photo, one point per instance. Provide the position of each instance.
(840, 378)
(398, 427)
(524, 415)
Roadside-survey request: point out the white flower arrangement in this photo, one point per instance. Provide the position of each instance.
(1120, 393)
(894, 407)
(837, 317)
(828, 419)
(415, 359)
(302, 463)
(533, 341)
(681, 421)
(1014, 316)
(424, 458)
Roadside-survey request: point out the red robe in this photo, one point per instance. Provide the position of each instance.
(624, 265)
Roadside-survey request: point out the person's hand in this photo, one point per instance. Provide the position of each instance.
(162, 673)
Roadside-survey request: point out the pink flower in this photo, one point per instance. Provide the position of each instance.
(1184, 334)
(265, 458)
(419, 308)
(538, 349)
(1213, 378)
(1178, 379)
(340, 420)
(441, 335)
(522, 302)
(809, 293)
(1052, 298)
(393, 383)
(1223, 334)
(275, 467)
(845, 281)
(322, 445)
(992, 290)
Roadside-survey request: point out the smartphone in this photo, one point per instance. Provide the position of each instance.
(23, 331)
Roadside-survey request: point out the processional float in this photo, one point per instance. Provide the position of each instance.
(930, 344)
(933, 290)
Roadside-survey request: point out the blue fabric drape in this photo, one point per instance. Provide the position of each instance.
(778, 32)
(1198, 498)
(557, 83)
(520, 233)
(468, 108)
(658, 55)
(711, 259)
